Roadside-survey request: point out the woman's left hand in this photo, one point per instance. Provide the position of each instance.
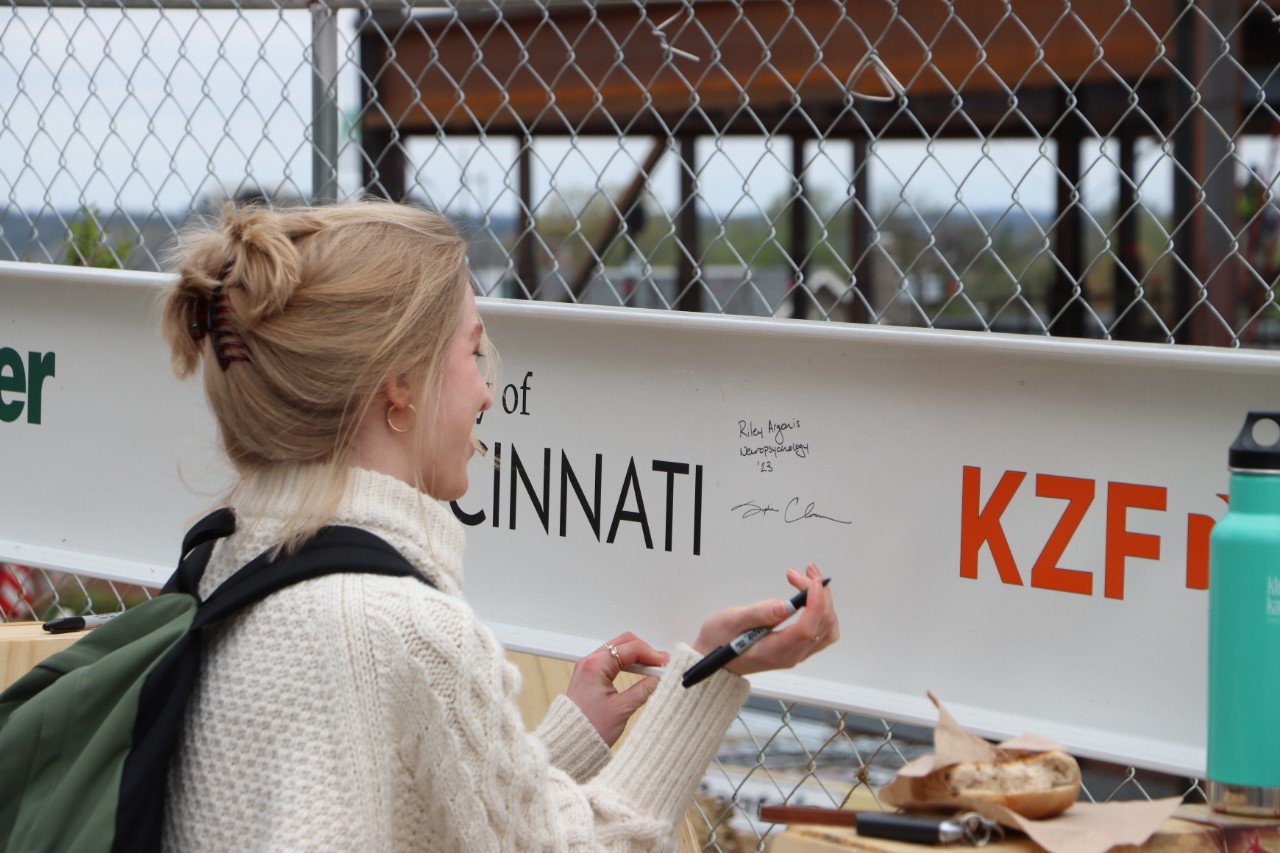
(591, 685)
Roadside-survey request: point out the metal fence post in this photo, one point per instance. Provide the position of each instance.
(324, 102)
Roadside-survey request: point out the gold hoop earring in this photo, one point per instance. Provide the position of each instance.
(391, 424)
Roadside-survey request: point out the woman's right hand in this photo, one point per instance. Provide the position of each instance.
(815, 629)
(591, 685)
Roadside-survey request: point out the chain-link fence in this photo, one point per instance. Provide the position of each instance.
(1103, 169)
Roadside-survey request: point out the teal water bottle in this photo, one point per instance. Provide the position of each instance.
(1243, 762)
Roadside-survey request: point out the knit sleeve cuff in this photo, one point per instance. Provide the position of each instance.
(674, 738)
(573, 743)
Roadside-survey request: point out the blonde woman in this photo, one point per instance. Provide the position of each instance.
(342, 356)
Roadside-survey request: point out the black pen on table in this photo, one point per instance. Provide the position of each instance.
(67, 624)
(718, 659)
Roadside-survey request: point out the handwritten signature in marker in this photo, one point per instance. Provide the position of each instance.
(750, 509)
(790, 517)
(793, 512)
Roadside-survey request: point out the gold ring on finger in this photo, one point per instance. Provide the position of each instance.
(613, 650)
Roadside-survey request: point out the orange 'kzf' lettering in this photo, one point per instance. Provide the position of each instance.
(982, 525)
(1046, 573)
(1123, 543)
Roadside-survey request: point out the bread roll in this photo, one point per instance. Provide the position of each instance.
(1037, 785)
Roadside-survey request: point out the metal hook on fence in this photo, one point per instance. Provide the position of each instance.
(666, 44)
(882, 71)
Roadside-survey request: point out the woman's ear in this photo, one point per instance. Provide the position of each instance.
(398, 391)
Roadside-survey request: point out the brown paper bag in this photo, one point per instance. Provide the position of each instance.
(1083, 828)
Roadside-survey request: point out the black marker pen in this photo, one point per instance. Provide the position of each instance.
(717, 660)
(67, 624)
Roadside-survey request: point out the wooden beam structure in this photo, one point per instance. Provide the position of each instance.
(609, 70)
(616, 217)
(968, 69)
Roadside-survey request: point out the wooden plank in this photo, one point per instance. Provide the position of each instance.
(574, 70)
(1195, 828)
(25, 644)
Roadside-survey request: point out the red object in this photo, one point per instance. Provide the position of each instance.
(16, 587)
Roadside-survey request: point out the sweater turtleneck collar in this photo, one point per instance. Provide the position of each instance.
(420, 527)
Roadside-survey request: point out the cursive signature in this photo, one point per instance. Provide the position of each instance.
(751, 508)
(791, 517)
(794, 511)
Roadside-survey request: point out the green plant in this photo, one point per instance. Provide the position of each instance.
(89, 245)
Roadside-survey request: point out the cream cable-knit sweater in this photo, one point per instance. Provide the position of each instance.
(362, 712)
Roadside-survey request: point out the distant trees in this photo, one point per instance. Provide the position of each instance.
(89, 244)
(947, 266)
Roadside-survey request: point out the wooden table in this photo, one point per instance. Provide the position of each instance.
(1193, 828)
(24, 644)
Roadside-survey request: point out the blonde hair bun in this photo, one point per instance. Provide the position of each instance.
(262, 263)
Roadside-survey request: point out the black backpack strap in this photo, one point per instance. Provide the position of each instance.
(215, 525)
(334, 549)
(162, 703)
(197, 545)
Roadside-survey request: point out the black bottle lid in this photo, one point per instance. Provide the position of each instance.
(1250, 454)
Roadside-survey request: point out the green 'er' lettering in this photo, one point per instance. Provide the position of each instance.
(17, 381)
(13, 379)
(39, 368)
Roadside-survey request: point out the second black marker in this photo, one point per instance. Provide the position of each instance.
(718, 659)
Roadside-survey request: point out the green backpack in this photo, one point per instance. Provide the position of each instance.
(86, 737)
